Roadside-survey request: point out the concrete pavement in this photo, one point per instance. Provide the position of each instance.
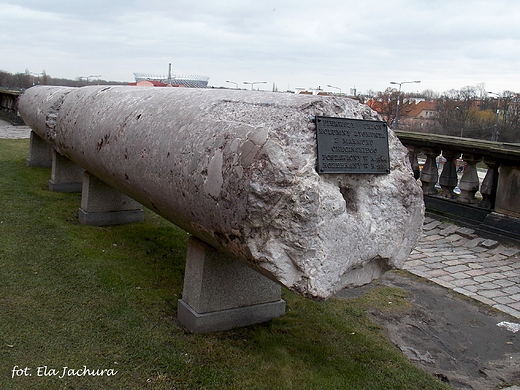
(13, 132)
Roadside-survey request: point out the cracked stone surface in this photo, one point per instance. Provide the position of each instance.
(237, 170)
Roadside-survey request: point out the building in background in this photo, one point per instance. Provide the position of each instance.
(171, 80)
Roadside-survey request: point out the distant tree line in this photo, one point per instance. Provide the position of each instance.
(21, 81)
(470, 112)
(14, 81)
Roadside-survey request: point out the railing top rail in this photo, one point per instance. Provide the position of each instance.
(8, 91)
(498, 150)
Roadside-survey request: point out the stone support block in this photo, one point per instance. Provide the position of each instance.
(40, 152)
(103, 205)
(221, 293)
(66, 176)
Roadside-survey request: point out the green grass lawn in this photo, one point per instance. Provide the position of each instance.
(106, 298)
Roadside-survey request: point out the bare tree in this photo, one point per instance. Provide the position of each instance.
(385, 103)
(509, 117)
(456, 110)
(430, 95)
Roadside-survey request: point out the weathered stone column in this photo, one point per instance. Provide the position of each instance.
(40, 152)
(237, 169)
(221, 293)
(103, 205)
(66, 176)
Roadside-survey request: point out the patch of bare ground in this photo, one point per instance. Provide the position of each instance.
(449, 335)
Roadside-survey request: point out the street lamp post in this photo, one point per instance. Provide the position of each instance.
(494, 136)
(461, 120)
(332, 86)
(36, 74)
(255, 82)
(81, 78)
(396, 127)
(232, 82)
(89, 77)
(92, 76)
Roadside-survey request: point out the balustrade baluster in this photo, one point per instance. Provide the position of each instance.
(412, 155)
(497, 211)
(448, 179)
(469, 182)
(430, 172)
(488, 189)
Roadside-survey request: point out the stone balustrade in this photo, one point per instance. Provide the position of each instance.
(452, 187)
(8, 105)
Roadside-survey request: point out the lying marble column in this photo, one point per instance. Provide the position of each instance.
(103, 205)
(237, 169)
(40, 153)
(66, 176)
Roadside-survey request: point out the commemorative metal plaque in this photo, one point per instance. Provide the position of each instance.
(352, 146)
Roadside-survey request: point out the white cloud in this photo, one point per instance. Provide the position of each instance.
(14, 14)
(298, 43)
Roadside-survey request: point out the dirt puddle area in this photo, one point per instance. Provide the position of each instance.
(461, 341)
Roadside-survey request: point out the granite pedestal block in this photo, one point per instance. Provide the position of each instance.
(66, 176)
(103, 205)
(40, 152)
(221, 293)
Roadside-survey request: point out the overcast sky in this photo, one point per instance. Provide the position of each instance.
(446, 44)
